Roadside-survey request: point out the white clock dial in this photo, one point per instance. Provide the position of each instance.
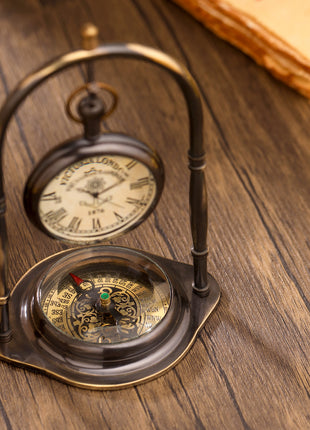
(96, 198)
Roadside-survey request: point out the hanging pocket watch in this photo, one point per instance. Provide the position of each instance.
(95, 187)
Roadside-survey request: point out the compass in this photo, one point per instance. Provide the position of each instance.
(111, 297)
(102, 316)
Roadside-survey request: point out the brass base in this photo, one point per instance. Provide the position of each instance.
(27, 346)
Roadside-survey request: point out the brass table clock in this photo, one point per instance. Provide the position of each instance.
(103, 316)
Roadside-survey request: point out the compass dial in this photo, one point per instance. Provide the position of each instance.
(97, 196)
(105, 302)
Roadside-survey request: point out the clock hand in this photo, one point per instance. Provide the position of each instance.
(115, 204)
(97, 193)
(111, 186)
(108, 200)
(101, 201)
(83, 190)
(97, 202)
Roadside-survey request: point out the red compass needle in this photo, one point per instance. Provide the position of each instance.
(76, 279)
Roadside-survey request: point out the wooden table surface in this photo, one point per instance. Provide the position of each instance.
(249, 368)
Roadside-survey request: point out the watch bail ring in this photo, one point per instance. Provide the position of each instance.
(92, 87)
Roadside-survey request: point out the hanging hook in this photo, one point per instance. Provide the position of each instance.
(92, 88)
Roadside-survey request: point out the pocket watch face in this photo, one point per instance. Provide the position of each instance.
(103, 191)
(105, 301)
(96, 197)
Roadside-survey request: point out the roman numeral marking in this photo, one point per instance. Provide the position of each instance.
(51, 197)
(142, 182)
(96, 223)
(74, 224)
(136, 202)
(53, 217)
(131, 164)
(118, 216)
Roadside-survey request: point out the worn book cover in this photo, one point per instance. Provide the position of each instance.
(276, 34)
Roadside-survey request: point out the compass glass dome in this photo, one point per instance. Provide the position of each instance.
(104, 299)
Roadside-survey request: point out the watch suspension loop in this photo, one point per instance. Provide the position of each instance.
(92, 88)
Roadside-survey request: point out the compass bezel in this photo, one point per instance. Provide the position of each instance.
(74, 151)
(105, 353)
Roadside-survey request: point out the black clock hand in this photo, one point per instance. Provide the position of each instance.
(96, 194)
(83, 190)
(110, 187)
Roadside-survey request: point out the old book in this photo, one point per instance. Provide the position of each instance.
(276, 34)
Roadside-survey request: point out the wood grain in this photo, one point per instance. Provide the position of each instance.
(249, 369)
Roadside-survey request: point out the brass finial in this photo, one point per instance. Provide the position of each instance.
(89, 35)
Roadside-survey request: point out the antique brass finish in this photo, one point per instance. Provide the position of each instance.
(89, 35)
(105, 317)
(102, 366)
